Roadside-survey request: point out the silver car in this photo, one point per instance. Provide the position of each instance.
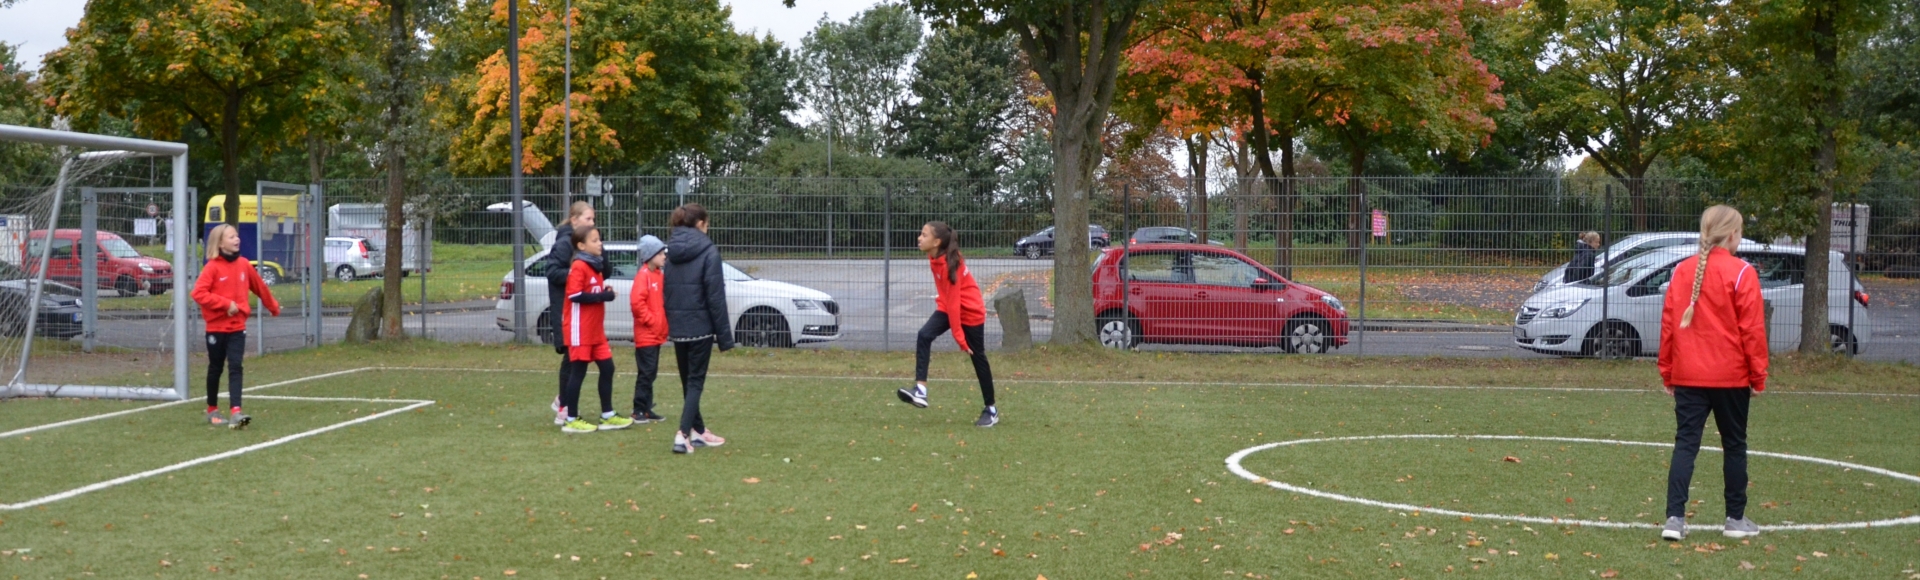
(1622, 249)
(349, 259)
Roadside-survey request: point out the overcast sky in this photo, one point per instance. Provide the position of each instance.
(39, 26)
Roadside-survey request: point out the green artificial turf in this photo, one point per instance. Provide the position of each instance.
(1098, 470)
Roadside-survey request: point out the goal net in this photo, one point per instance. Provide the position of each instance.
(96, 238)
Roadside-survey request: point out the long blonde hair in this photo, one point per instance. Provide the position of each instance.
(1719, 225)
(214, 237)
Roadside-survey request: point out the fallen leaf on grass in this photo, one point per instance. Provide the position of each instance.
(1610, 573)
(900, 561)
(743, 566)
(1745, 565)
(751, 480)
(1553, 556)
(1288, 531)
(1510, 459)
(511, 573)
(1819, 554)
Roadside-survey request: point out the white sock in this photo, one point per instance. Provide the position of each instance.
(608, 415)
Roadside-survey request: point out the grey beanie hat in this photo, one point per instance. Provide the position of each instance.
(649, 246)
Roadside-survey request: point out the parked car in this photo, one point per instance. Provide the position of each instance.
(59, 306)
(763, 312)
(1167, 235)
(120, 267)
(1197, 294)
(1622, 249)
(1040, 243)
(1568, 320)
(352, 258)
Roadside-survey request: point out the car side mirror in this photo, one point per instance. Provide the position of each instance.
(1263, 285)
(103, 258)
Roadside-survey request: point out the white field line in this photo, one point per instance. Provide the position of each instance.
(1233, 464)
(26, 430)
(415, 404)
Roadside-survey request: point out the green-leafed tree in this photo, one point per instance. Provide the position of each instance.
(855, 75)
(20, 163)
(245, 71)
(1627, 79)
(651, 77)
(1887, 101)
(1787, 134)
(768, 98)
(963, 86)
(1075, 47)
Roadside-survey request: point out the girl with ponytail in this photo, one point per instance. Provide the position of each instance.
(1713, 361)
(959, 310)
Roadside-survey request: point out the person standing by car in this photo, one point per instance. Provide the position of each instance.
(221, 293)
(960, 310)
(1713, 360)
(649, 325)
(1584, 252)
(584, 327)
(559, 266)
(695, 292)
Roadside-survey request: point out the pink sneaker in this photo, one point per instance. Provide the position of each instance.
(708, 439)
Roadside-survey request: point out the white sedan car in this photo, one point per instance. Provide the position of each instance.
(763, 312)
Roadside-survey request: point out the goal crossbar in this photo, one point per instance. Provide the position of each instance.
(125, 146)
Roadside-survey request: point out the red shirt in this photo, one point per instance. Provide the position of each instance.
(960, 299)
(1726, 346)
(649, 308)
(584, 324)
(221, 283)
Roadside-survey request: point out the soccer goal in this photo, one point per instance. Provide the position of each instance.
(97, 251)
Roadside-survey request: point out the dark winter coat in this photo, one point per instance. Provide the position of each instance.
(559, 261)
(1581, 267)
(695, 289)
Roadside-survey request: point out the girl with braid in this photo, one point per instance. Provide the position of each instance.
(1713, 361)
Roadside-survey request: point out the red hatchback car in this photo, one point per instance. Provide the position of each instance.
(1195, 294)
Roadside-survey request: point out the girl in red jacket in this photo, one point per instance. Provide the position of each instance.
(583, 328)
(649, 309)
(960, 310)
(1713, 360)
(221, 293)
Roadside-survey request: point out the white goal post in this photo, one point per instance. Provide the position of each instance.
(124, 147)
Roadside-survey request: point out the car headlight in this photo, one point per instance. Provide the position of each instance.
(146, 268)
(1334, 302)
(1562, 309)
(800, 304)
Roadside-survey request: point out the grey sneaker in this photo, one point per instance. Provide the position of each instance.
(1675, 530)
(916, 396)
(1741, 528)
(238, 420)
(214, 418)
(988, 418)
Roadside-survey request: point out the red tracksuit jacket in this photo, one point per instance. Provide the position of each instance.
(649, 308)
(584, 324)
(1726, 346)
(960, 299)
(225, 282)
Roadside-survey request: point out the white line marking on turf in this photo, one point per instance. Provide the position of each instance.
(1233, 464)
(416, 403)
(26, 430)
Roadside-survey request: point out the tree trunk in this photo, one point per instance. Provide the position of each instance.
(1356, 189)
(230, 159)
(398, 44)
(1287, 199)
(1075, 157)
(1814, 335)
(1637, 196)
(1197, 149)
(316, 158)
(1242, 189)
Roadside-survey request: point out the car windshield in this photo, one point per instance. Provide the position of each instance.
(733, 274)
(118, 248)
(1626, 271)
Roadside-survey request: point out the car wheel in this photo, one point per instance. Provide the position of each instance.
(125, 286)
(1612, 340)
(763, 328)
(544, 328)
(1307, 335)
(1843, 341)
(268, 275)
(344, 273)
(1033, 251)
(1119, 331)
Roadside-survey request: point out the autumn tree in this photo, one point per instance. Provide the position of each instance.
(244, 71)
(639, 90)
(1075, 47)
(855, 75)
(1626, 80)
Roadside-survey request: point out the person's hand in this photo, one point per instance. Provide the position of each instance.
(1669, 389)
(232, 308)
(969, 351)
(1753, 392)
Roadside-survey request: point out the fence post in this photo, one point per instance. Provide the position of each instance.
(1360, 338)
(426, 238)
(259, 257)
(1606, 295)
(89, 252)
(886, 269)
(316, 261)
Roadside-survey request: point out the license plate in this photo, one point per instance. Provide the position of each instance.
(1520, 333)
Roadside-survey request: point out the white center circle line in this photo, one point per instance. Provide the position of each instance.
(1233, 464)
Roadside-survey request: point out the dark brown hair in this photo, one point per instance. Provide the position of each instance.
(689, 215)
(949, 248)
(580, 234)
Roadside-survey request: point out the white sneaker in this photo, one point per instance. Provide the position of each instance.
(916, 396)
(559, 415)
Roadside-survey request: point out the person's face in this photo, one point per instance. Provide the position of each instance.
(230, 241)
(585, 219)
(592, 243)
(928, 241)
(658, 261)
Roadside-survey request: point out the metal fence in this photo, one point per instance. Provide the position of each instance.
(1413, 266)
